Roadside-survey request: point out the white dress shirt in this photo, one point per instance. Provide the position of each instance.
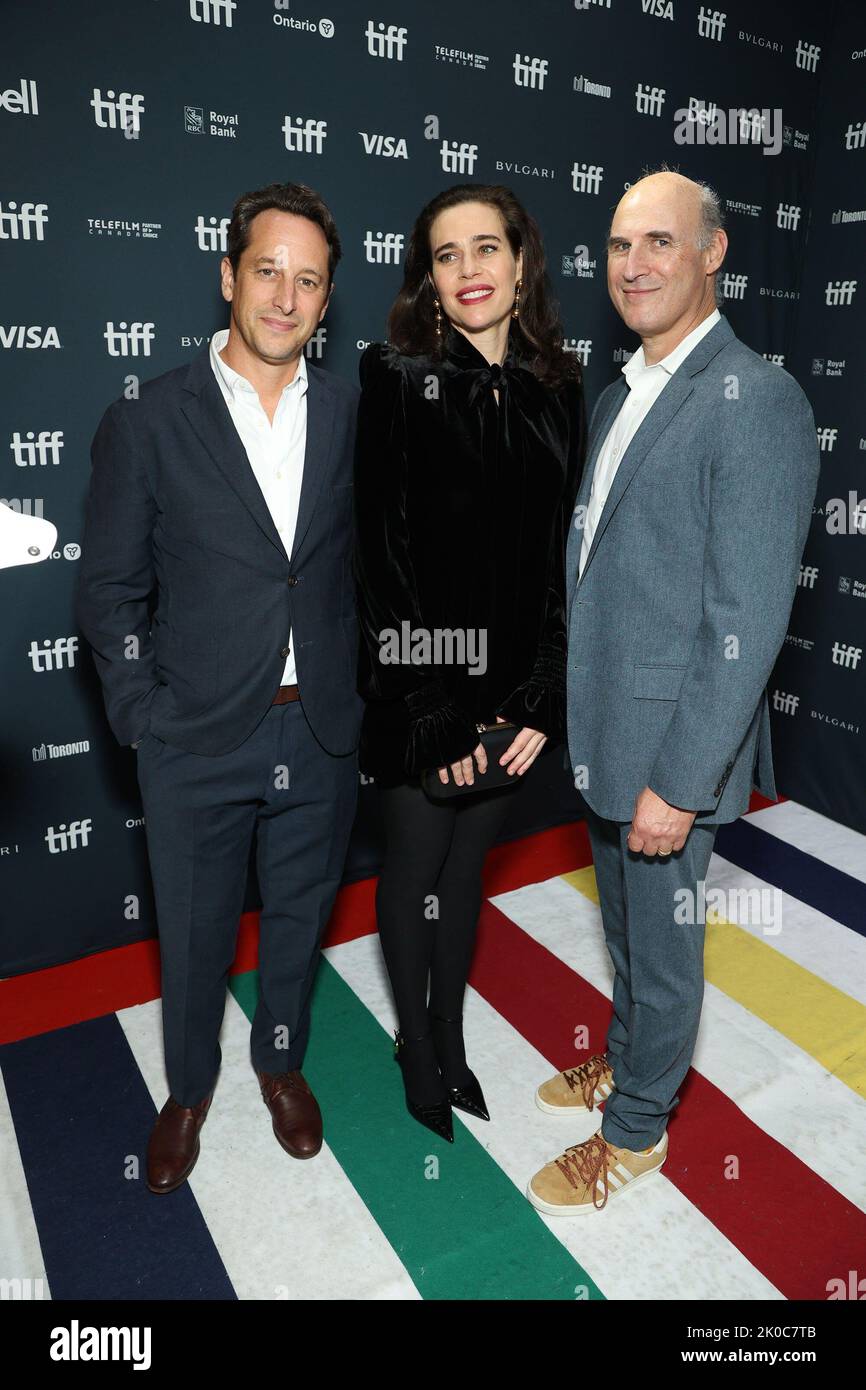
(646, 384)
(275, 452)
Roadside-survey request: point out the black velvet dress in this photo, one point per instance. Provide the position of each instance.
(462, 509)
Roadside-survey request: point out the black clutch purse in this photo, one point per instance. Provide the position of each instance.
(495, 738)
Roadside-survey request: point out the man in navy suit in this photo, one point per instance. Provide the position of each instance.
(216, 592)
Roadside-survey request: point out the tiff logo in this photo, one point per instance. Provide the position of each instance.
(15, 222)
(806, 56)
(458, 158)
(787, 217)
(855, 136)
(785, 704)
(315, 344)
(50, 656)
(840, 291)
(74, 836)
(734, 286)
(649, 100)
(213, 237)
(41, 449)
(383, 248)
(711, 23)
(807, 576)
(212, 11)
(118, 111)
(586, 178)
(845, 655)
(529, 72)
(305, 136)
(826, 439)
(581, 347)
(385, 43)
(126, 338)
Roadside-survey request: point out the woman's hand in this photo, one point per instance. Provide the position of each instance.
(528, 742)
(463, 771)
(523, 750)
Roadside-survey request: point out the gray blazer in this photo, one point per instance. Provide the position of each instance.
(683, 605)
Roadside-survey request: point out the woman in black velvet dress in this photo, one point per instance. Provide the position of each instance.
(471, 437)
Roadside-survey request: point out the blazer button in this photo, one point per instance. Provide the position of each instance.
(292, 580)
(284, 651)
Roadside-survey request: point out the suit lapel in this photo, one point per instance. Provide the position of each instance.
(318, 457)
(606, 413)
(654, 423)
(211, 419)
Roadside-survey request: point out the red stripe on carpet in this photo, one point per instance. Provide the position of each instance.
(791, 1224)
(100, 984)
(757, 802)
(531, 859)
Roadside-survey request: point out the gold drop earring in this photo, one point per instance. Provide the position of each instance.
(514, 311)
(438, 321)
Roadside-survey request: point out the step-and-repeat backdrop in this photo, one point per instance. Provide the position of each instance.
(129, 130)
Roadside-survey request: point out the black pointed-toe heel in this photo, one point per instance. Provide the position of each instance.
(437, 1116)
(468, 1096)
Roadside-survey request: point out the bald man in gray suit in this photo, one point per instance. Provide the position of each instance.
(683, 561)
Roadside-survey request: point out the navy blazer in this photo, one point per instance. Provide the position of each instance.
(186, 594)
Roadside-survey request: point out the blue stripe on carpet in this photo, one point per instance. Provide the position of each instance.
(828, 889)
(81, 1109)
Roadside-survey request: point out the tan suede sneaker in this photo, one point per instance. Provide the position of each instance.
(587, 1175)
(579, 1088)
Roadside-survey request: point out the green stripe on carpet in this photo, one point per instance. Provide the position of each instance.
(466, 1234)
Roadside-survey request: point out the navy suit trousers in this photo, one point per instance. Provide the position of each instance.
(201, 813)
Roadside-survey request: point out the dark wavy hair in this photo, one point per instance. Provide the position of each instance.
(287, 197)
(538, 331)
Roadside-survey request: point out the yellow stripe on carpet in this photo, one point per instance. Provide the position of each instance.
(820, 1019)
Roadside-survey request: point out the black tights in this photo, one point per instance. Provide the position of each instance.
(428, 900)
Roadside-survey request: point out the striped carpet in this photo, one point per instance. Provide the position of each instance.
(763, 1195)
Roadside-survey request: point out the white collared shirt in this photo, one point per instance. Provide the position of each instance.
(276, 452)
(646, 384)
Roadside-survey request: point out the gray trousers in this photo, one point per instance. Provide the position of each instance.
(658, 987)
(200, 816)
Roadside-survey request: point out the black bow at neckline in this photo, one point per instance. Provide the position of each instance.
(484, 375)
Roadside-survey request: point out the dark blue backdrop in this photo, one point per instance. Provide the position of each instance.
(128, 131)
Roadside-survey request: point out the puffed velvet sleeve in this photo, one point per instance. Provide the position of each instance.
(439, 732)
(539, 703)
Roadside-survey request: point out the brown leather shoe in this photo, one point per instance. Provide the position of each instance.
(297, 1117)
(173, 1146)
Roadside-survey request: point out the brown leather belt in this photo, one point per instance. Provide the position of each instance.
(285, 694)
